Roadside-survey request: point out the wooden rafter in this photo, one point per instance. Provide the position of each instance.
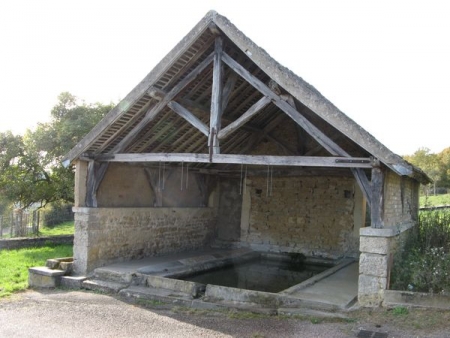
(151, 113)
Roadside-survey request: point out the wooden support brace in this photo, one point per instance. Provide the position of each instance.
(377, 205)
(155, 178)
(253, 110)
(188, 116)
(96, 172)
(364, 184)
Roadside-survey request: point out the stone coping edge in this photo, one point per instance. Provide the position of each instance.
(386, 232)
(316, 278)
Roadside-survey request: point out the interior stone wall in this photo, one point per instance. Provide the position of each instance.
(311, 215)
(128, 185)
(229, 210)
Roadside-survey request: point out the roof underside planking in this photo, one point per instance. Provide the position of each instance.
(217, 94)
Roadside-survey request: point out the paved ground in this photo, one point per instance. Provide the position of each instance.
(86, 314)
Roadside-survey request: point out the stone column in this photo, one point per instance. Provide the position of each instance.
(377, 248)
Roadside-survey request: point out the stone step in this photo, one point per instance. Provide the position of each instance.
(103, 286)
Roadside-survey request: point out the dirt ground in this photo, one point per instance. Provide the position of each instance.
(62, 313)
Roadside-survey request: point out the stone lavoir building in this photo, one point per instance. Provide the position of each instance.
(220, 144)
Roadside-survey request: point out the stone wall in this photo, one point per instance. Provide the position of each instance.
(311, 215)
(401, 203)
(107, 235)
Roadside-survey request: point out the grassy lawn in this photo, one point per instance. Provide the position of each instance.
(14, 265)
(66, 228)
(435, 200)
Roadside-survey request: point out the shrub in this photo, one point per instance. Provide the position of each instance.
(57, 214)
(424, 262)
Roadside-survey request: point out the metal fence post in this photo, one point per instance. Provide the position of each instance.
(1, 225)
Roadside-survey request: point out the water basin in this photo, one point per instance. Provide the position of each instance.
(261, 274)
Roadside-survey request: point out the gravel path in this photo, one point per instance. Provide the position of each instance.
(86, 314)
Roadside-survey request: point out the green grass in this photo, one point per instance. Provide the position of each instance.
(66, 228)
(14, 265)
(428, 201)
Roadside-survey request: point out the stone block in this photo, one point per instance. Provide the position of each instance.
(371, 290)
(52, 264)
(373, 264)
(376, 245)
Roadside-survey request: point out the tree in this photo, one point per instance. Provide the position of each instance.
(23, 180)
(444, 159)
(428, 162)
(31, 169)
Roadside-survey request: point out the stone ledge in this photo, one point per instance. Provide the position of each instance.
(416, 299)
(385, 232)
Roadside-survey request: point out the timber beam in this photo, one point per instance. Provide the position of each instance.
(299, 161)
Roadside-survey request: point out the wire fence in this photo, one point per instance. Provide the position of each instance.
(25, 223)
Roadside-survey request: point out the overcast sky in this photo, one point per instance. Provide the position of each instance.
(386, 64)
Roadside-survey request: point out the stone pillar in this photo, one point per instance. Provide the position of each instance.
(84, 250)
(377, 248)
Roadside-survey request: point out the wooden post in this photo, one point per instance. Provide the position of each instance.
(377, 203)
(216, 99)
(1, 226)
